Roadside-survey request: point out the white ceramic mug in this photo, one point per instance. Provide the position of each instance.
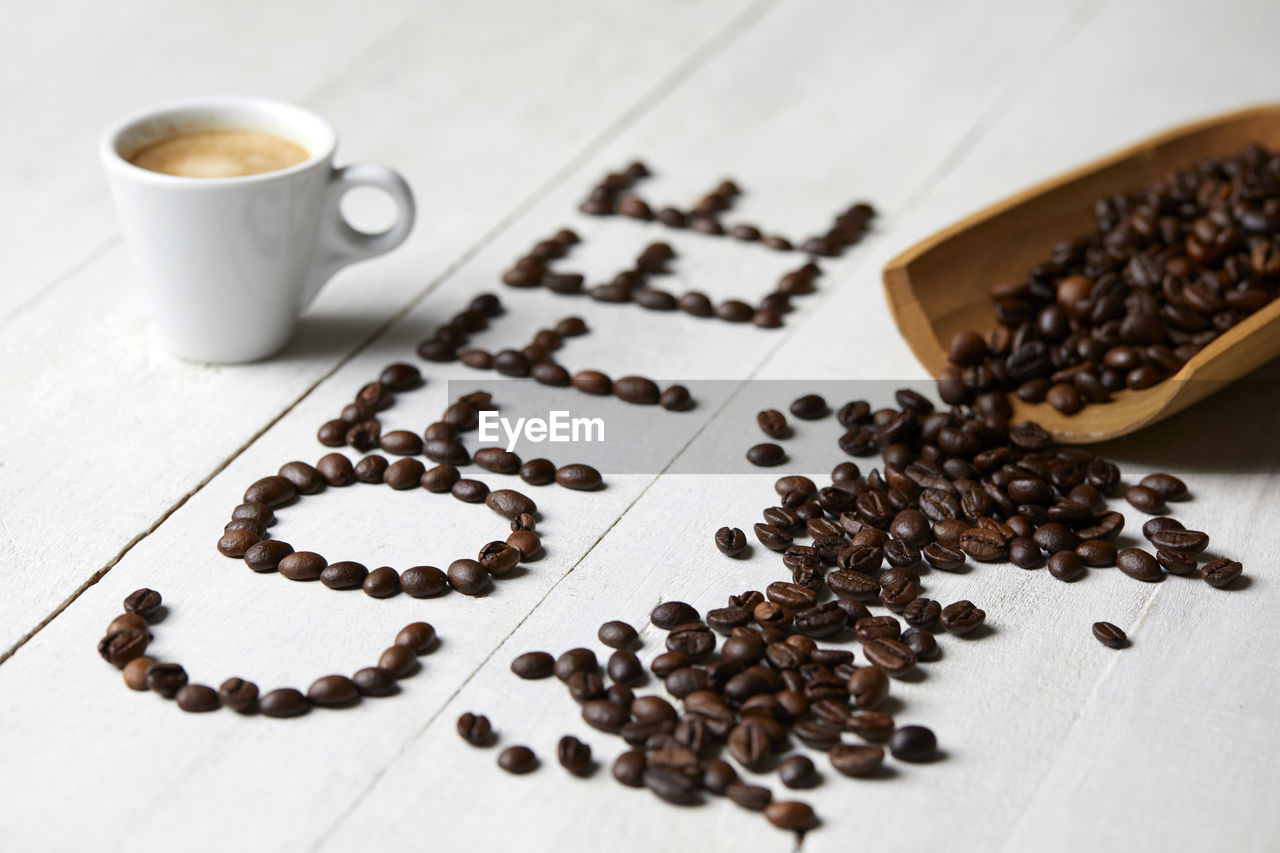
(228, 264)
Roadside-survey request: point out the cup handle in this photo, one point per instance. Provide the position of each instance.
(338, 243)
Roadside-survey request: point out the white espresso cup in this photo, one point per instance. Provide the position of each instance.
(227, 264)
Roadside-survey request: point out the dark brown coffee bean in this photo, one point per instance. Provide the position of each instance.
(120, 647)
(629, 767)
(398, 660)
(983, 544)
(419, 637)
(876, 628)
(382, 582)
(235, 543)
(518, 760)
(1110, 635)
(239, 695)
(1066, 566)
(332, 691)
(533, 665)
(1167, 486)
(791, 815)
(636, 389)
(676, 398)
(526, 542)
(469, 577)
(1183, 541)
(922, 613)
(575, 756)
(604, 715)
(892, 656)
(856, 760)
(943, 557)
(272, 491)
(575, 660)
(1096, 552)
(773, 423)
(592, 382)
(343, 575)
(617, 635)
(772, 537)
(510, 503)
(469, 491)
(694, 641)
(1139, 565)
(283, 702)
(1221, 573)
(734, 310)
(922, 642)
(810, 407)
(961, 617)
(126, 621)
(913, 743)
(333, 433)
(1144, 498)
(731, 541)
(166, 679)
(371, 468)
(582, 478)
(1176, 562)
(265, 556)
(766, 455)
(144, 602)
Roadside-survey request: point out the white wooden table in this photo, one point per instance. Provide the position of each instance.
(119, 464)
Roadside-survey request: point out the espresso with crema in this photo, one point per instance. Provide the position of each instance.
(220, 154)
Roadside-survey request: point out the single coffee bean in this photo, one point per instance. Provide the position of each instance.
(1139, 565)
(750, 797)
(671, 784)
(533, 665)
(962, 617)
(469, 577)
(637, 389)
(498, 558)
(398, 660)
(943, 557)
(423, 581)
(629, 767)
(518, 760)
(773, 423)
(371, 468)
(1167, 486)
(582, 478)
(1176, 562)
(575, 756)
(509, 503)
(272, 491)
(235, 543)
(439, 479)
(144, 602)
(1183, 541)
(120, 647)
(772, 537)
(1160, 522)
(604, 715)
(617, 635)
(922, 642)
(676, 398)
(694, 640)
(283, 702)
(1110, 635)
(166, 679)
(1221, 573)
(135, 673)
(475, 729)
(525, 541)
(672, 614)
(469, 491)
(877, 628)
(332, 691)
(766, 455)
(1145, 498)
(333, 433)
(1096, 552)
(538, 472)
(1025, 553)
(265, 556)
(336, 469)
(344, 575)
(791, 815)
(401, 442)
(913, 743)
(731, 541)
(856, 760)
(374, 681)
(575, 660)
(239, 695)
(197, 698)
(922, 613)
(419, 637)
(892, 656)
(1066, 566)
(797, 772)
(400, 376)
(810, 407)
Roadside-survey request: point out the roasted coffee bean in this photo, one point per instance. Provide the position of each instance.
(816, 733)
(1221, 573)
(671, 784)
(773, 423)
(1025, 553)
(877, 627)
(604, 715)
(922, 642)
(592, 382)
(439, 479)
(533, 665)
(629, 767)
(943, 557)
(135, 673)
(239, 695)
(913, 743)
(518, 760)
(822, 620)
(122, 646)
(636, 389)
(400, 376)
(753, 798)
(892, 656)
(617, 635)
(810, 407)
(538, 472)
(382, 582)
(772, 537)
(1096, 552)
(731, 541)
(1054, 537)
(497, 460)
(166, 679)
(283, 702)
(469, 491)
(510, 503)
(670, 614)
(624, 667)
(401, 442)
(498, 558)
(1176, 562)
(305, 478)
(127, 620)
(1066, 566)
(1183, 541)
(1144, 498)
(333, 433)
(197, 698)
(1167, 486)
(766, 455)
(235, 543)
(790, 595)
(525, 541)
(749, 744)
(1160, 522)
(790, 814)
(419, 637)
(694, 640)
(374, 681)
(336, 469)
(549, 373)
(343, 575)
(961, 617)
(144, 602)
(1110, 635)
(332, 691)
(371, 468)
(423, 581)
(1139, 565)
(575, 660)
(983, 544)
(797, 771)
(272, 491)
(582, 478)
(585, 686)
(575, 756)
(265, 556)
(856, 760)
(676, 398)
(469, 577)
(922, 613)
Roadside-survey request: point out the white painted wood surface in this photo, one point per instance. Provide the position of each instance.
(502, 115)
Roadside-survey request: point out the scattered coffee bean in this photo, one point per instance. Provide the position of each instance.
(575, 756)
(518, 760)
(144, 602)
(239, 695)
(476, 730)
(1110, 635)
(197, 698)
(913, 743)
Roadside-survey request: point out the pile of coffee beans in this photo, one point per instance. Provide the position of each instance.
(128, 635)
(1167, 270)
(635, 286)
(614, 195)
(958, 485)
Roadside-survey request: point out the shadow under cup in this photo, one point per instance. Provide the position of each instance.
(226, 264)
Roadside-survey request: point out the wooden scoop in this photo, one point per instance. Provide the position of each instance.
(939, 286)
